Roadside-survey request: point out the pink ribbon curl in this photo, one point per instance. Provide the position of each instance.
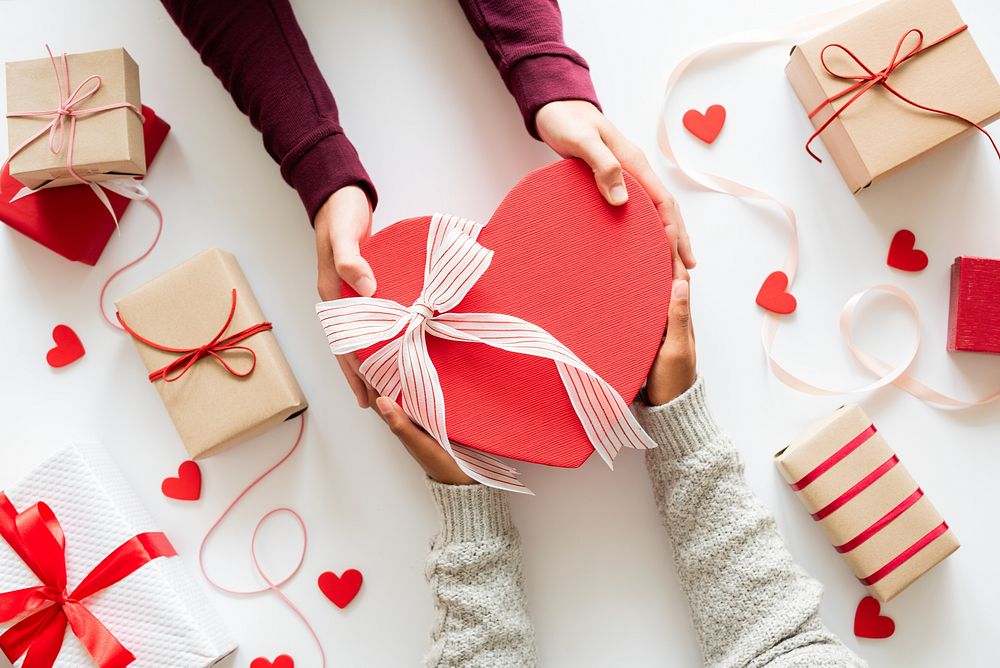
(403, 367)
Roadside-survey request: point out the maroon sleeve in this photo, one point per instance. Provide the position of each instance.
(258, 51)
(525, 40)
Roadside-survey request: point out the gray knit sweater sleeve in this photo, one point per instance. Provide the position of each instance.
(751, 604)
(476, 577)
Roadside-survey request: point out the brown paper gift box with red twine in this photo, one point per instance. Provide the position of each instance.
(211, 353)
(869, 506)
(904, 106)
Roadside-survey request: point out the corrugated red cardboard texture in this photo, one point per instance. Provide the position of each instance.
(974, 317)
(596, 277)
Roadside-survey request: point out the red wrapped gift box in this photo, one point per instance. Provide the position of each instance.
(974, 317)
(594, 277)
(71, 220)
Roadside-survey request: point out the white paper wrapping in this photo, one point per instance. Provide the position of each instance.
(159, 612)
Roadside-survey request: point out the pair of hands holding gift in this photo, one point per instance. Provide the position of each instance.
(572, 128)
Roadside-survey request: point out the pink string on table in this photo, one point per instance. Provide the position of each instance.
(269, 584)
(113, 322)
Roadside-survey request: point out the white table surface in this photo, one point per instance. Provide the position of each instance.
(422, 102)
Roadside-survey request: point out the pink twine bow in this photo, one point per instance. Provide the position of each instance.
(67, 109)
(454, 262)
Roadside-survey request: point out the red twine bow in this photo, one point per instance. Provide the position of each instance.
(214, 348)
(67, 109)
(865, 82)
(47, 609)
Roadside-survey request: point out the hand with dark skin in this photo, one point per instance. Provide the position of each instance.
(572, 128)
(673, 372)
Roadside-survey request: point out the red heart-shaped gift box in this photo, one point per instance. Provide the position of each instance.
(595, 276)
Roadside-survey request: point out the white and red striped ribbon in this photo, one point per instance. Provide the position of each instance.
(454, 262)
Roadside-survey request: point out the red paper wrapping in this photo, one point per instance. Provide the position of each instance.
(974, 316)
(70, 220)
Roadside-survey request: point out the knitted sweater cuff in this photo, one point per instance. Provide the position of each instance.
(682, 425)
(470, 513)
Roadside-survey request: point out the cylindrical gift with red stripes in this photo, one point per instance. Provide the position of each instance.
(872, 510)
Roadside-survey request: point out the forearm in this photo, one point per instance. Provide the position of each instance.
(524, 38)
(477, 580)
(258, 51)
(751, 604)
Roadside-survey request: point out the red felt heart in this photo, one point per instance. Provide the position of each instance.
(902, 254)
(595, 276)
(868, 623)
(707, 126)
(340, 590)
(68, 348)
(280, 661)
(187, 485)
(773, 294)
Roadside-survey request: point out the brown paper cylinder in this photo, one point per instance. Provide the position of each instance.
(879, 132)
(858, 506)
(107, 144)
(212, 409)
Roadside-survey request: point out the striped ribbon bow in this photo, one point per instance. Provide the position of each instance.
(454, 262)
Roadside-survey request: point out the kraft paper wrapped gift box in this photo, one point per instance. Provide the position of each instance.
(106, 144)
(869, 506)
(187, 308)
(158, 612)
(879, 132)
(71, 220)
(974, 315)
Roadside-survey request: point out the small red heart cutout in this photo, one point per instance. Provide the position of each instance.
(773, 294)
(707, 126)
(280, 661)
(187, 485)
(868, 623)
(68, 348)
(340, 590)
(902, 254)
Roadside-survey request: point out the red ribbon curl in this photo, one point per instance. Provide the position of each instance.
(214, 348)
(865, 82)
(45, 610)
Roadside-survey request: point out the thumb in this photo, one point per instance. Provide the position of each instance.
(679, 320)
(607, 170)
(349, 264)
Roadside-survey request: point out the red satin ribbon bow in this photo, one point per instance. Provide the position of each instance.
(865, 82)
(214, 348)
(67, 109)
(37, 538)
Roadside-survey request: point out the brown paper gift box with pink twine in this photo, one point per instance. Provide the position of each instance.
(871, 509)
(106, 144)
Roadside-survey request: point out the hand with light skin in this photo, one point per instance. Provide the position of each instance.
(572, 128)
(673, 372)
(342, 224)
(578, 129)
